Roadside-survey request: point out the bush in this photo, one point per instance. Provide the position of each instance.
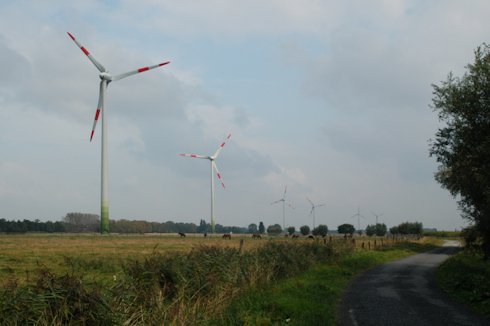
(466, 277)
(274, 229)
(53, 299)
(346, 228)
(471, 238)
(305, 230)
(320, 230)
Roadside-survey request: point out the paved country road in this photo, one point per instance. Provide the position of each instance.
(404, 293)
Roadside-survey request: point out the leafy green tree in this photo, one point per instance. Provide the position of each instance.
(380, 229)
(274, 229)
(462, 146)
(346, 229)
(394, 230)
(291, 230)
(370, 230)
(261, 228)
(320, 230)
(377, 229)
(305, 230)
(252, 228)
(202, 228)
(408, 228)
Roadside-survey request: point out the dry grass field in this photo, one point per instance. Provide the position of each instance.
(95, 254)
(100, 257)
(147, 279)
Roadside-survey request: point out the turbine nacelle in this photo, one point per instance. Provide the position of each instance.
(105, 76)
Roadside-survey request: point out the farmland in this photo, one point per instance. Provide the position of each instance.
(99, 255)
(149, 279)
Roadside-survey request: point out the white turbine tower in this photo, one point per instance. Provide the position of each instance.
(283, 200)
(313, 206)
(359, 215)
(212, 159)
(105, 79)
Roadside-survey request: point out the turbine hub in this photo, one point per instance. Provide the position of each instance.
(105, 76)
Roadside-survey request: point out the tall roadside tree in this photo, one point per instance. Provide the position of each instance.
(462, 145)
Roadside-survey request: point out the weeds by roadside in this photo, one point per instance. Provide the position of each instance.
(466, 277)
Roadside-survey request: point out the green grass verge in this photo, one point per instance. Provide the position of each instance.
(466, 278)
(312, 297)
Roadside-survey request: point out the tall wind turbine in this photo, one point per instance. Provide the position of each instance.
(313, 206)
(214, 168)
(359, 215)
(377, 216)
(105, 79)
(283, 200)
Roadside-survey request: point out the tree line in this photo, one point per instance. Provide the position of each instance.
(83, 222)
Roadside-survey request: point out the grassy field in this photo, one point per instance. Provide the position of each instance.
(153, 279)
(99, 256)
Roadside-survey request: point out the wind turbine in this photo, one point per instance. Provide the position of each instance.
(283, 200)
(105, 79)
(377, 215)
(214, 168)
(313, 206)
(358, 218)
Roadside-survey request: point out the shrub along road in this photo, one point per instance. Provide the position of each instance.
(404, 292)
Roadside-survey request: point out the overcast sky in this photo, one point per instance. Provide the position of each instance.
(330, 98)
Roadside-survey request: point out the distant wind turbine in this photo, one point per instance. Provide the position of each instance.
(358, 218)
(283, 200)
(105, 79)
(376, 215)
(214, 168)
(313, 206)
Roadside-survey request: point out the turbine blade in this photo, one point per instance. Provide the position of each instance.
(217, 173)
(285, 189)
(277, 201)
(320, 205)
(97, 64)
(312, 209)
(310, 201)
(221, 146)
(99, 108)
(137, 71)
(195, 156)
(291, 206)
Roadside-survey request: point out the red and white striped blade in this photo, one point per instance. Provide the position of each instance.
(137, 71)
(97, 64)
(195, 156)
(221, 146)
(217, 173)
(99, 108)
